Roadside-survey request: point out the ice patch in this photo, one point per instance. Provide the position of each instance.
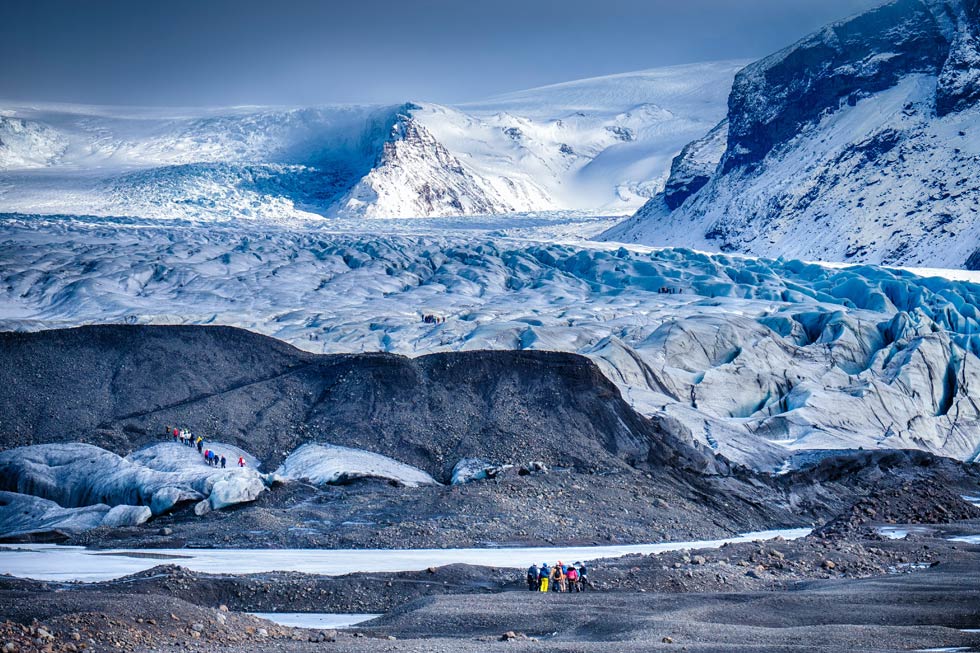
(160, 476)
(325, 464)
(22, 515)
(316, 620)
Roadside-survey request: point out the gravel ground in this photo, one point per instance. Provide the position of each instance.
(860, 592)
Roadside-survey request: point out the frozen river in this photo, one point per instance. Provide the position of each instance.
(67, 563)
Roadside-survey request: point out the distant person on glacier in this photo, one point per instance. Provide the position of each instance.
(241, 461)
(200, 444)
(224, 462)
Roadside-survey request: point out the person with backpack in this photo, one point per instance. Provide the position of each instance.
(557, 578)
(241, 461)
(532, 578)
(200, 444)
(223, 462)
(544, 577)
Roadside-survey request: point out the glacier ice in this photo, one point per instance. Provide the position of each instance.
(475, 469)
(753, 358)
(22, 515)
(75, 475)
(324, 464)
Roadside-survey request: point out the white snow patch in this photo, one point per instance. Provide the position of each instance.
(324, 464)
(316, 620)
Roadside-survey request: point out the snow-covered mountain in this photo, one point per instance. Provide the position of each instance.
(860, 143)
(600, 144)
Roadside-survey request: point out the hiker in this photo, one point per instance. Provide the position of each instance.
(572, 575)
(223, 462)
(241, 461)
(200, 444)
(557, 578)
(544, 576)
(532, 578)
(583, 576)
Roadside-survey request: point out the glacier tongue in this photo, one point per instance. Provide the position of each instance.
(325, 464)
(752, 358)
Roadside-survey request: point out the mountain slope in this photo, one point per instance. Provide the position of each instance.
(859, 143)
(599, 144)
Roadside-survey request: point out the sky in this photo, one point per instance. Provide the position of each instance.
(306, 52)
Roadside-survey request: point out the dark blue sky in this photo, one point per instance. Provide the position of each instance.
(223, 52)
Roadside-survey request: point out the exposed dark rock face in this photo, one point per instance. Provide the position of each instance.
(692, 168)
(958, 86)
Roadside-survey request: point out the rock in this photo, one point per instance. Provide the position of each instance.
(698, 560)
(165, 531)
(262, 632)
(223, 608)
(667, 640)
(828, 564)
(198, 627)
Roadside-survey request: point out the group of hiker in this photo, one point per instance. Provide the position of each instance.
(666, 290)
(558, 578)
(432, 319)
(211, 458)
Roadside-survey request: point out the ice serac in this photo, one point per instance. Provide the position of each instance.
(856, 144)
(755, 359)
(326, 464)
(75, 475)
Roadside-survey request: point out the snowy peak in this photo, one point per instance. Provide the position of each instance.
(859, 143)
(602, 144)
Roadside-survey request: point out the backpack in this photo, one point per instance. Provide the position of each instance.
(572, 573)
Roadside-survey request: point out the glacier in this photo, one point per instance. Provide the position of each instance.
(761, 360)
(601, 144)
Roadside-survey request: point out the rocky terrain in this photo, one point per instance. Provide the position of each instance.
(878, 594)
(559, 457)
